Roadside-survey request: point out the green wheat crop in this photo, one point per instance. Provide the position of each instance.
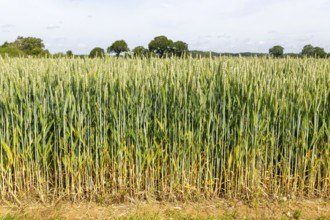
(164, 128)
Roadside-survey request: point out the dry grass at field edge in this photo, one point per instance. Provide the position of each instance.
(216, 209)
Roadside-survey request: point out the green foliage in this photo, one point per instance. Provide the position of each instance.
(276, 51)
(180, 48)
(140, 51)
(9, 217)
(310, 51)
(296, 214)
(38, 52)
(11, 51)
(69, 53)
(24, 46)
(5, 44)
(198, 54)
(319, 52)
(292, 55)
(59, 55)
(118, 47)
(30, 45)
(97, 52)
(161, 46)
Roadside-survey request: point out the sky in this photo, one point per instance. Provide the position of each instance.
(210, 25)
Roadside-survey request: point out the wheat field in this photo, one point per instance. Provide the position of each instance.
(168, 129)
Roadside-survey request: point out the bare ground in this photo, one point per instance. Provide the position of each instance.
(215, 209)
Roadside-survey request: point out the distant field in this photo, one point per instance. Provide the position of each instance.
(164, 129)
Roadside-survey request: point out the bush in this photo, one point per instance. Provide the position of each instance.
(11, 52)
(97, 52)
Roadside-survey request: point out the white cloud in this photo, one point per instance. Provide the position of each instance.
(223, 36)
(82, 45)
(52, 27)
(305, 37)
(217, 25)
(6, 26)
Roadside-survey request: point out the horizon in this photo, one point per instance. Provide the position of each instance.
(223, 27)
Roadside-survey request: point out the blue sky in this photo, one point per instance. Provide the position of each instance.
(217, 25)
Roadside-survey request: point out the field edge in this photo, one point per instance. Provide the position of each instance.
(215, 209)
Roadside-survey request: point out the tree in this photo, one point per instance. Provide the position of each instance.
(97, 52)
(161, 45)
(46, 52)
(319, 52)
(11, 51)
(25, 46)
(30, 45)
(308, 51)
(118, 47)
(140, 51)
(5, 44)
(276, 51)
(180, 48)
(58, 55)
(311, 51)
(69, 53)
(292, 55)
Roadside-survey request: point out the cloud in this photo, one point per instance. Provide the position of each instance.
(305, 38)
(223, 36)
(201, 44)
(272, 32)
(247, 41)
(61, 38)
(82, 45)
(7, 26)
(220, 25)
(165, 5)
(52, 27)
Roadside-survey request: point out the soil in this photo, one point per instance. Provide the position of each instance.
(215, 209)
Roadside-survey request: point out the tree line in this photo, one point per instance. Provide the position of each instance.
(160, 46)
(307, 51)
(24, 46)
